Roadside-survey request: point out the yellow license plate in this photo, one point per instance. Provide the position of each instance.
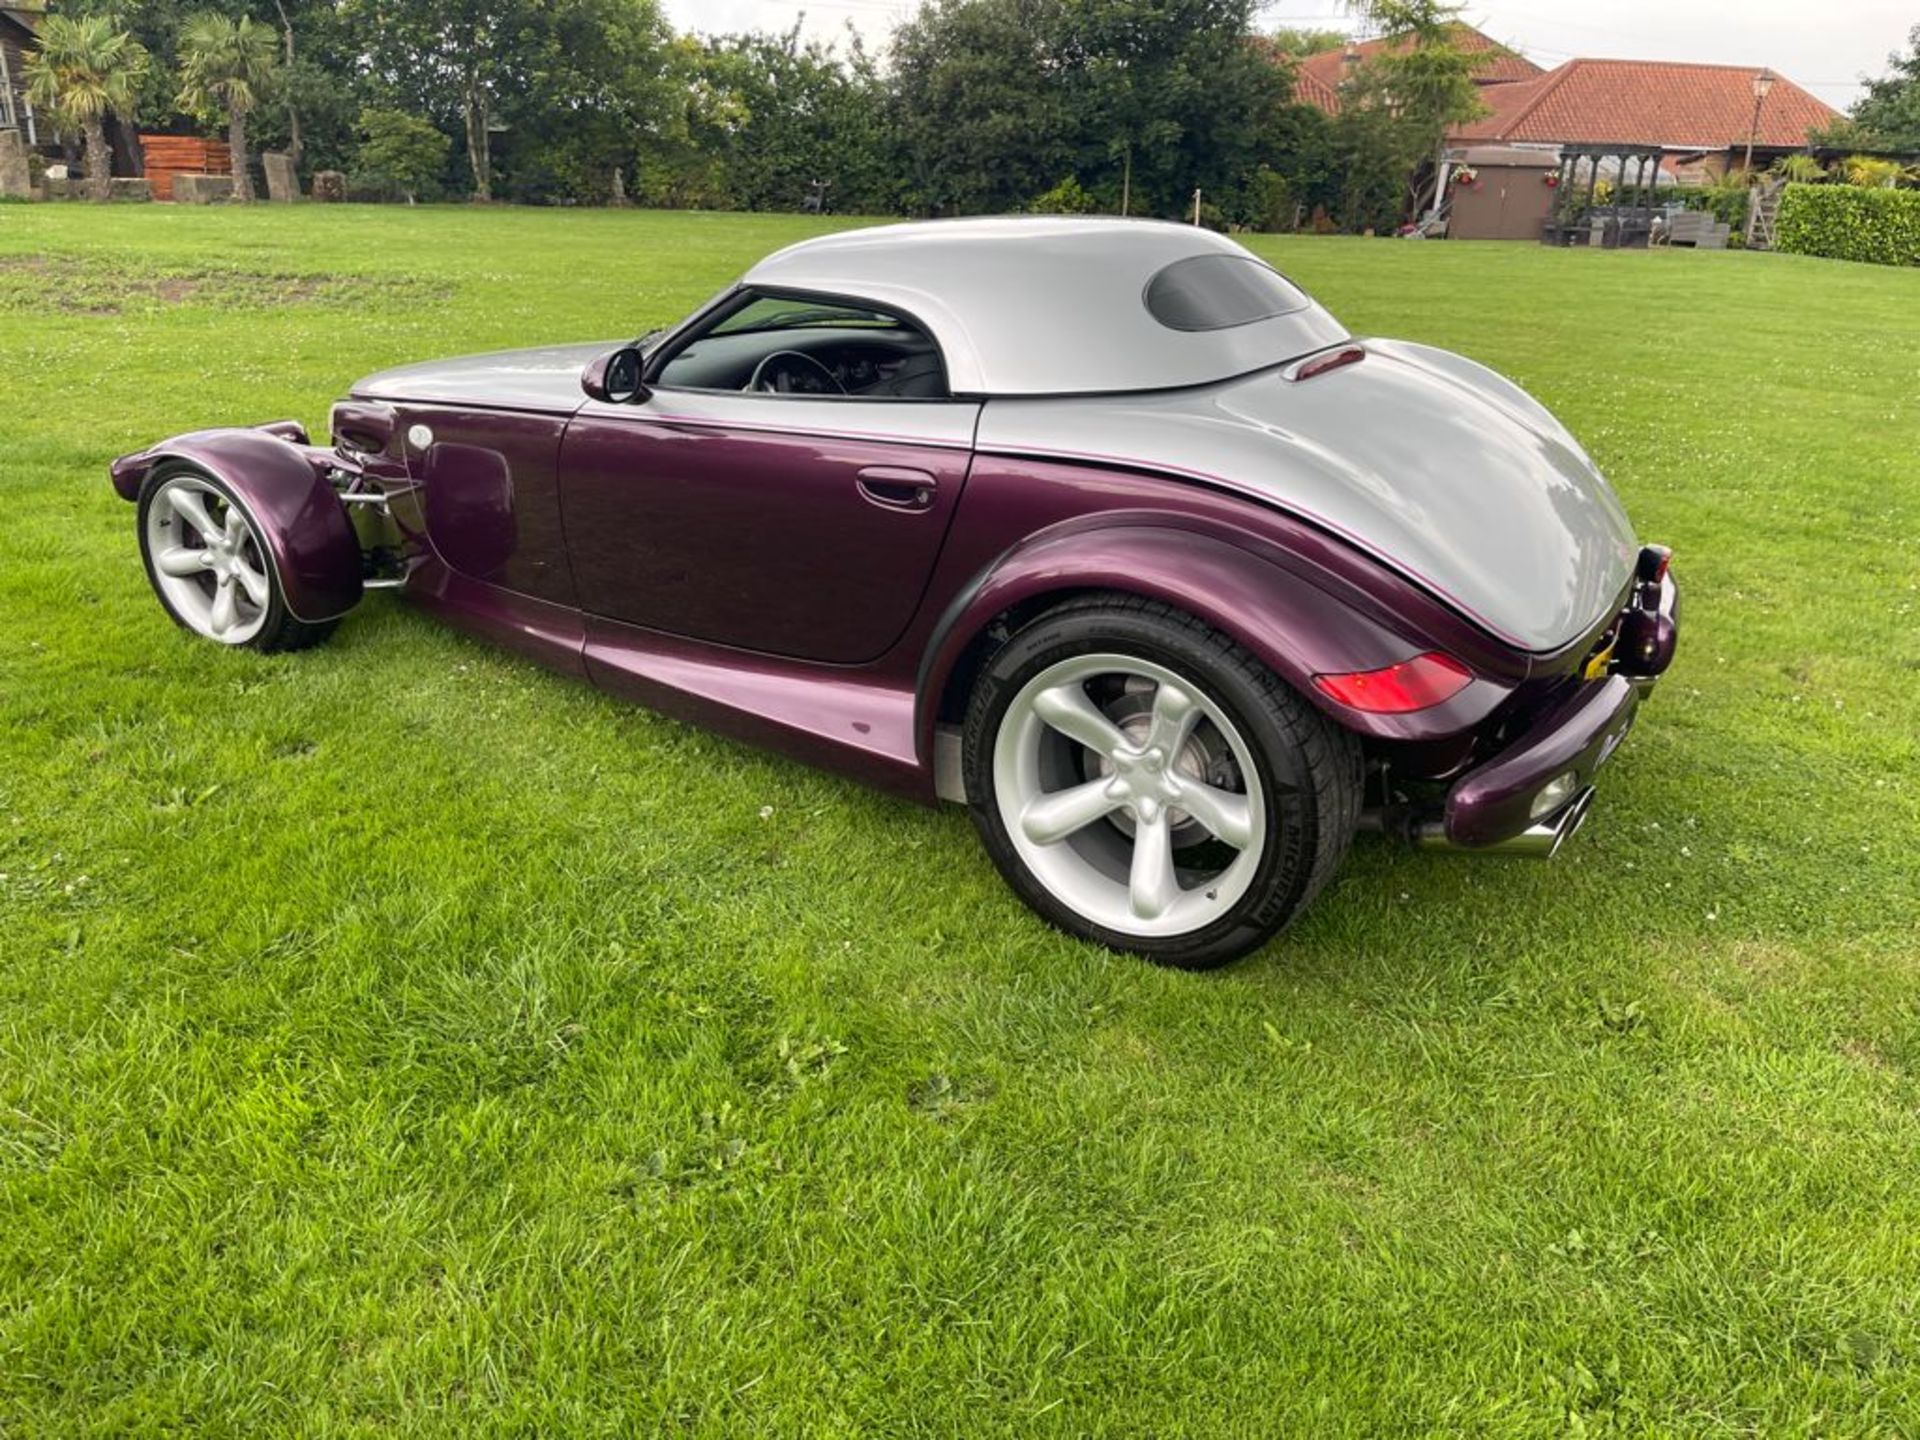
(1597, 666)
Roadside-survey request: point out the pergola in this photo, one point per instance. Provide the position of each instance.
(1625, 220)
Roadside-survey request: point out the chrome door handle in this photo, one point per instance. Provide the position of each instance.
(897, 488)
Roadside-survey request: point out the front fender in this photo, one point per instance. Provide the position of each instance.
(284, 484)
(1290, 625)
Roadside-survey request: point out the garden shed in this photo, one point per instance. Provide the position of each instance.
(1500, 192)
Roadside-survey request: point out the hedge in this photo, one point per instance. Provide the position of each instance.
(1846, 222)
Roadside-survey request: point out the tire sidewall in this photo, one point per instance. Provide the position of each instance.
(1287, 858)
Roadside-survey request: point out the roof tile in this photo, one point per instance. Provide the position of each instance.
(1647, 102)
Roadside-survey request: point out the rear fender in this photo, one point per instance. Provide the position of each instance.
(1290, 625)
(283, 482)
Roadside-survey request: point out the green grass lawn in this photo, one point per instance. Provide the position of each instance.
(396, 1038)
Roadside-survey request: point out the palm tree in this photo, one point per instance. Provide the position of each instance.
(225, 68)
(83, 71)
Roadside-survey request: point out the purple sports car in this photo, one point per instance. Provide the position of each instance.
(1102, 528)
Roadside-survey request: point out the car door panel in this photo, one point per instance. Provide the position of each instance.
(794, 525)
(491, 495)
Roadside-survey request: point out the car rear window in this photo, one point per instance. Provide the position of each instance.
(1217, 292)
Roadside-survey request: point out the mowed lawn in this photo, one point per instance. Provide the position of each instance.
(396, 1038)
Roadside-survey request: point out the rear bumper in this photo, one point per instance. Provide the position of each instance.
(1506, 797)
(1495, 801)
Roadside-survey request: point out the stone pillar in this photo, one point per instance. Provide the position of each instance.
(283, 182)
(16, 175)
(329, 186)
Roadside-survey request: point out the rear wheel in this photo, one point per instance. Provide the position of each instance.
(208, 562)
(1143, 782)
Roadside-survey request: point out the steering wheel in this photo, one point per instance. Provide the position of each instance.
(771, 378)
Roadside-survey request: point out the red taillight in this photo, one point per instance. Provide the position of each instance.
(1411, 685)
(1331, 360)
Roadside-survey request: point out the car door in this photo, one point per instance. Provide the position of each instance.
(491, 497)
(797, 525)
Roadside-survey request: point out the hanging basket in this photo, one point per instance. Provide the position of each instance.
(1466, 176)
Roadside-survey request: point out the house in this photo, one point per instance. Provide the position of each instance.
(1677, 121)
(1700, 118)
(19, 20)
(1317, 78)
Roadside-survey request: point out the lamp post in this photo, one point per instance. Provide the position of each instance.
(1762, 83)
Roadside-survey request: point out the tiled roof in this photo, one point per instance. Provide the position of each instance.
(1310, 89)
(1647, 102)
(1317, 81)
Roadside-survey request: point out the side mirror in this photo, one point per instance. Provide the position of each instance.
(614, 379)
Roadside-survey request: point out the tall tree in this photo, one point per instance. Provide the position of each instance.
(1889, 112)
(594, 87)
(314, 98)
(781, 115)
(226, 67)
(290, 92)
(82, 71)
(1423, 79)
(1166, 97)
(462, 62)
(978, 104)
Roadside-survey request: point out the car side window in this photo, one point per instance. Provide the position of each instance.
(798, 345)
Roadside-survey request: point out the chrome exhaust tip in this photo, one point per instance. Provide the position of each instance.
(1536, 842)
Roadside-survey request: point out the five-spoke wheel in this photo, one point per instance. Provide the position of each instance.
(1143, 782)
(208, 561)
(1129, 794)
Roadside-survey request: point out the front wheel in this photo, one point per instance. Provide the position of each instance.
(1144, 783)
(208, 562)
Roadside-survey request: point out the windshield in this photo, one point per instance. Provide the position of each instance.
(772, 313)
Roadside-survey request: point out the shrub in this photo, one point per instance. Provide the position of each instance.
(1264, 203)
(1802, 169)
(1845, 222)
(1069, 197)
(1726, 201)
(1873, 171)
(400, 155)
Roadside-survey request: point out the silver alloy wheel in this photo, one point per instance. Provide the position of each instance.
(1116, 814)
(208, 560)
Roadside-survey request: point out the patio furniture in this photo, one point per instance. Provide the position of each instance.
(1696, 228)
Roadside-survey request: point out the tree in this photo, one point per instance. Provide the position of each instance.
(1888, 114)
(1297, 144)
(977, 104)
(84, 70)
(226, 67)
(1166, 96)
(1301, 42)
(1422, 78)
(461, 62)
(593, 86)
(767, 117)
(400, 154)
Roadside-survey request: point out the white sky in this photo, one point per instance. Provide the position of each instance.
(1823, 45)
